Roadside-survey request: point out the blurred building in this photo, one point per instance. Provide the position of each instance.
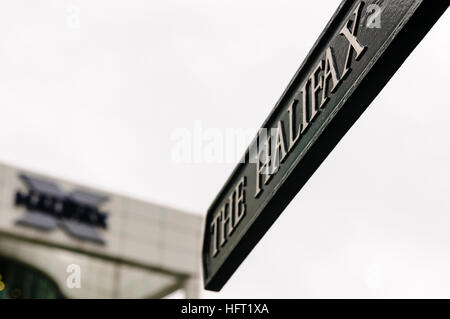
(58, 239)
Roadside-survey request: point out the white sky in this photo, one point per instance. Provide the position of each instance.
(98, 104)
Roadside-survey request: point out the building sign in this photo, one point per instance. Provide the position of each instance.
(48, 207)
(355, 56)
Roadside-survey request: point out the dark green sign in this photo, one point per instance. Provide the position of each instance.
(360, 49)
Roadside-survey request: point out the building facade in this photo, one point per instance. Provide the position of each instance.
(62, 240)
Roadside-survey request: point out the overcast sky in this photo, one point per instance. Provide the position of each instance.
(97, 99)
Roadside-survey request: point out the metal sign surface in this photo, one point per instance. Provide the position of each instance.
(360, 49)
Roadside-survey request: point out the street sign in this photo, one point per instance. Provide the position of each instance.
(360, 49)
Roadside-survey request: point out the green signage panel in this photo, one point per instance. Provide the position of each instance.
(360, 49)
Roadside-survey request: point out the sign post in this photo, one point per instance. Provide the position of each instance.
(360, 49)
